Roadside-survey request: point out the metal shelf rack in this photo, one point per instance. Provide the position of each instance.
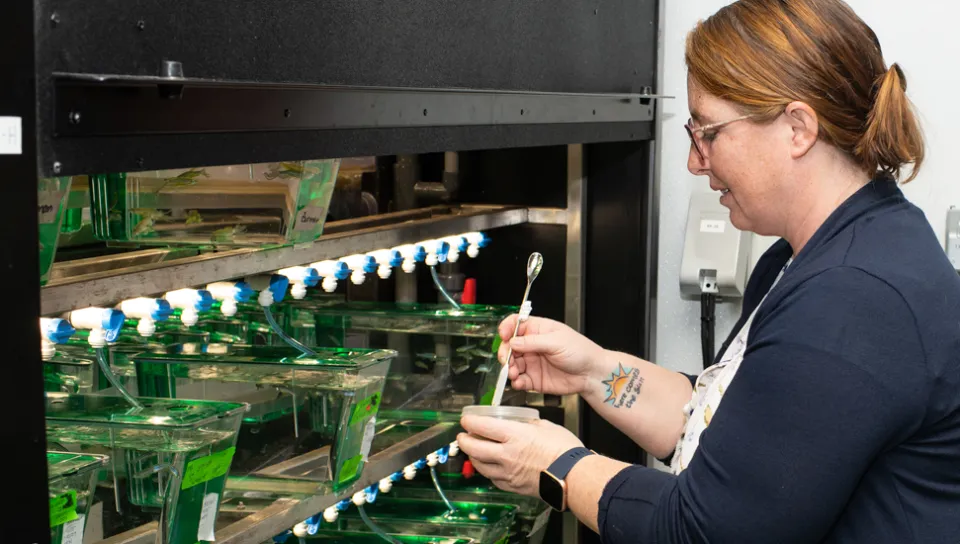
(218, 82)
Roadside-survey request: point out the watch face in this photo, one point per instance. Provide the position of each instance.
(552, 491)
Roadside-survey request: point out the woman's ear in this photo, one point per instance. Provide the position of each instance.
(805, 126)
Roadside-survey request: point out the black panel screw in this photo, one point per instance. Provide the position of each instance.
(286, 113)
(57, 167)
(54, 18)
(139, 162)
(74, 117)
(141, 25)
(424, 113)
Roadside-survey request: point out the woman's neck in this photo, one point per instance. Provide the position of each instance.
(823, 195)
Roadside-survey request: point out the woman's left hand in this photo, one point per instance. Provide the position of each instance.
(512, 454)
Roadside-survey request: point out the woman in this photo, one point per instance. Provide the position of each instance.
(833, 411)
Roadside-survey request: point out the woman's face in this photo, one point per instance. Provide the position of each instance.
(747, 163)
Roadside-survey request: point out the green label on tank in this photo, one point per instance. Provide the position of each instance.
(350, 469)
(63, 508)
(365, 409)
(487, 397)
(207, 468)
(496, 345)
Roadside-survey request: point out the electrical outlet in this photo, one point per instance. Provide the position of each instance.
(953, 237)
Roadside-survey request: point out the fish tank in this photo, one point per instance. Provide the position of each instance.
(485, 523)
(447, 356)
(295, 317)
(247, 205)
(348, 537)
(169, 459)
(71, 370)
(71, 478)
(532, 516)
(311, 417)
(51, 200)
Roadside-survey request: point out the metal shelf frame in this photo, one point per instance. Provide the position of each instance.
(298, 79)
(348, 237)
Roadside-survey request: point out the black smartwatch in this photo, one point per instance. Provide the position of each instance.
(553, 488)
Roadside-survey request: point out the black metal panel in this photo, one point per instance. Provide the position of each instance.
(27, 520)
(520, 177)
(124, 153)
(500, 269)
(615, 298)
(556, 45)
(567, 46)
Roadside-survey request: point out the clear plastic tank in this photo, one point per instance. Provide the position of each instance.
(171, 456)
(311, 417)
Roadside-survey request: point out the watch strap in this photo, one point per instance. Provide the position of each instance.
(565, 463)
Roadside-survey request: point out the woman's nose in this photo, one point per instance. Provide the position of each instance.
(695, 164)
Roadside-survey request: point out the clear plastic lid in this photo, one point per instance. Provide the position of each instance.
(61, 464)
(513, 413)
(156, 413)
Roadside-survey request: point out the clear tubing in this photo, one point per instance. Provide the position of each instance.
(436, 484)
(284, 336)
(105, 367)
(446, 295)
(373, 527)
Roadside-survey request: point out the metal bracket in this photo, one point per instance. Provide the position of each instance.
(173, 104)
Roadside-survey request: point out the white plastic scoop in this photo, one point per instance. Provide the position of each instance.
(534, 264)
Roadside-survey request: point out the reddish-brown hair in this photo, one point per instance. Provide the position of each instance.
(764, 54)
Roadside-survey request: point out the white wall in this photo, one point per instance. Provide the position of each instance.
(920, 35)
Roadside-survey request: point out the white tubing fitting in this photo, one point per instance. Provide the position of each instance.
(300, 530)
(386, 259)
(148, 311)
(359, 498)
(436, 251)
(410, 253)
(331, 514)
(457, 244)
(47, 349)
(300, 278)
(103, 323)
(454, 449)
(359, 264)
(265, 298)
(433, 459)
(385, 485)
(97, 338)
(53, 331)
(189, 302)
(409, 472)
(331, 271)
(229, 293)
(475, 240)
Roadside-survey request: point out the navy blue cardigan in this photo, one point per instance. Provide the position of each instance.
(843, 421)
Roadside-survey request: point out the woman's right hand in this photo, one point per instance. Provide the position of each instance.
(548, 357)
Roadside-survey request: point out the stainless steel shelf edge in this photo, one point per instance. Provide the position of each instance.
(108, 288)
(284, 514)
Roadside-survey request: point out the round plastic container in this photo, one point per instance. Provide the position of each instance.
(513, 413)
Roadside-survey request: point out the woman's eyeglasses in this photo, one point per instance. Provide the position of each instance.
(698, 135)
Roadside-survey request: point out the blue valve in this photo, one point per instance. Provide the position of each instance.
(313, 524)
(443, 454)
(278, 287)
(396, 476)
(421, 464)
(344, 504)
(371, 493)
(244, 292)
